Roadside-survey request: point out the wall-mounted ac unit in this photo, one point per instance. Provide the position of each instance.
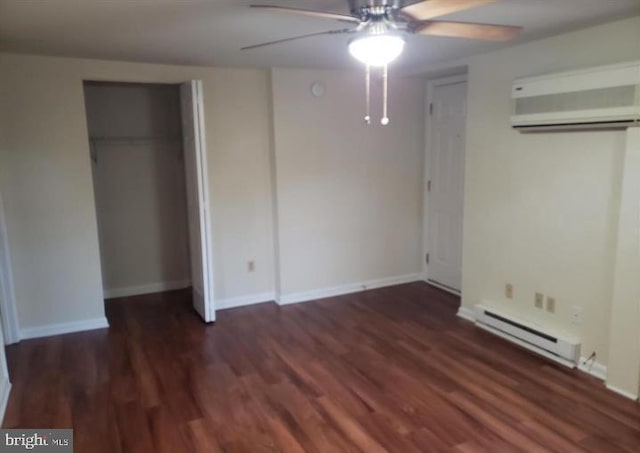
(562, 349)
(602, 97)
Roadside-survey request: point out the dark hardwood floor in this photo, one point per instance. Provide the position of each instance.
(391, 369)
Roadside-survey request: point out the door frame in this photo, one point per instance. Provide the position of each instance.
(8, 309)
(432, 84)
(177, 81)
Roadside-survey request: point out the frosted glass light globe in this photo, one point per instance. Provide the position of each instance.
(377, 50)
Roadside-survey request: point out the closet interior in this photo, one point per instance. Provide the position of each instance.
(139, 186)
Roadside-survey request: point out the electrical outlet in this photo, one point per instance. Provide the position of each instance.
(576, 314)
(251, 266)
(508, 291)
(551, 305)
(539, 300)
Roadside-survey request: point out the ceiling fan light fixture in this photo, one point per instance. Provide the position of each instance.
(377, 50)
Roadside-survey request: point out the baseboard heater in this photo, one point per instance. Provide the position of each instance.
(562, 349)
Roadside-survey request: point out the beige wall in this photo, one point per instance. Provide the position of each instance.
(349, 195)
(624, 344)
(139, 186)
(541, 210)
(48, 196)
(46, 180)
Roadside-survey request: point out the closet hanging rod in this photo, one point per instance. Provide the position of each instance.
(134, 140)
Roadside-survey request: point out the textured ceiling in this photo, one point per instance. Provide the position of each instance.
(211, 32)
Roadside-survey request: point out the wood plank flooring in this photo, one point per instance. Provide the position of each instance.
(391, 370)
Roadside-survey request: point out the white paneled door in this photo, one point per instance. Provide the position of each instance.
(195, 160)
(446, 183)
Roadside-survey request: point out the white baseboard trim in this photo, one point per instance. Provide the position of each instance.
(305, 296)
(241, 301)
(595, 369)
(444, 288)
(146, 289)
(5, 390)
(466, 313)
(631, 396)
(62, 328)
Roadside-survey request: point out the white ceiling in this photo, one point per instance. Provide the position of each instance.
(211, 32)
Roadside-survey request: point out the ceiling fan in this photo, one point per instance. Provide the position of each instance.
(379, 27)
(386, 16)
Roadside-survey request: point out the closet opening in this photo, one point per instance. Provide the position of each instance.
(140, 188)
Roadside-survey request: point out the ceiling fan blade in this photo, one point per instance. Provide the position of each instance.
(308, 12)
(309, 35)
(428, 9)
(485, 32)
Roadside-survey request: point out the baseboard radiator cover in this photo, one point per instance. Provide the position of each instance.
(562, 349)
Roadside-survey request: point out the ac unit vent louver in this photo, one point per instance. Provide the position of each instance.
(603, 97)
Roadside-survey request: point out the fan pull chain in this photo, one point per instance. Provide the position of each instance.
(367, 117)
(385, 93)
